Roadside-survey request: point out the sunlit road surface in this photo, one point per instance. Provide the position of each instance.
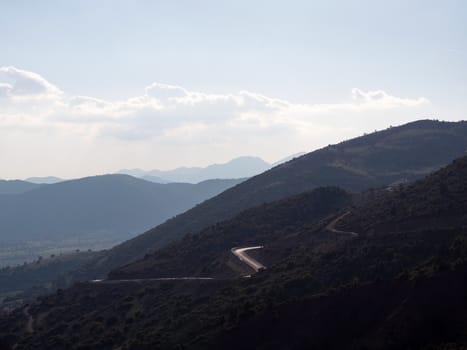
(332, 225)
(30, 320)
(139, 280)
(241, 254)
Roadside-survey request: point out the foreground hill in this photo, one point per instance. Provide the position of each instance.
(397, 154)
(341, 283)
(116, 206)
(207, 253)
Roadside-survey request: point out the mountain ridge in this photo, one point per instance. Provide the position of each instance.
(115, 203)
(413, 150)
(240, 167)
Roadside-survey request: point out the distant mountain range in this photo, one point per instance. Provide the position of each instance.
(237, 168)
(116, 206)
(240, 167)
(44, 180)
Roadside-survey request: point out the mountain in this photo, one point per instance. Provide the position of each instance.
(115, 206)
(240, 167)
(399, 283)
(133, 172)
(379, 270)
(44, 180)
(155, 179)
(207, 253)
(438, 201)
(392, 276)
(16, 186)
(403, 153)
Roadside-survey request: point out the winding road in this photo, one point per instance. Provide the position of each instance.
(140, 280)
(331, 227)
(30, 320)
(241, 254)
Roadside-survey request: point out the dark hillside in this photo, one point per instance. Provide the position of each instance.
(437, 201)
(208, 252)
(424, 313)
(403, 288)
(397, 154)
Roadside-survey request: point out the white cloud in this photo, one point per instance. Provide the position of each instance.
(170, 117)
(166, 92)
(381, 98)
(21, 84)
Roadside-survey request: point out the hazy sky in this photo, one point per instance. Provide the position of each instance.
(89, 87)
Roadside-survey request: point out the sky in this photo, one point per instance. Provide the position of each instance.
(93, 86)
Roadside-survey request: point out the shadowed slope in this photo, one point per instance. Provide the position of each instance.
(397, 154)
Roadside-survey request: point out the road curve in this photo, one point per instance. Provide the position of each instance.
(241, 254)
(140, 280)
(29, 320)
(331, 227)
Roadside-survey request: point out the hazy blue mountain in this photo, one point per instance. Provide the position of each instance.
(240, 167)
(16, 186)
(136, 172)
(112, 205)
(155, 179)
(44, 180)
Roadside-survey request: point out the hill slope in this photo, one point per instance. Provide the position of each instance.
(387, 288)
(397, 154)
(207, 253)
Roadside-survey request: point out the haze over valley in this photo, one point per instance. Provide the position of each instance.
(43, 217)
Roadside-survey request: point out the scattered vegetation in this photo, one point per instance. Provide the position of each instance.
(391, 287)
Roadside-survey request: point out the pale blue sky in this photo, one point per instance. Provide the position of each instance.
(303, 52)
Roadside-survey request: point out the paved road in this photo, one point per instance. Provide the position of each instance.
(331, 227)
(139, 280)
(241, 254)
(30, 320)
(238, 252)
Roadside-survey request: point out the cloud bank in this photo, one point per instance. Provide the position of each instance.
(24, 85)
(171, 119)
